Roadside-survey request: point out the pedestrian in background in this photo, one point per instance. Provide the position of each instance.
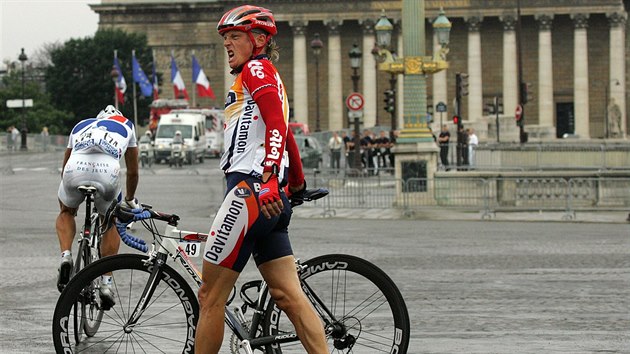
(444, 139)
(334, 144)
(45, 137)
(9, 138)
(382, 147)
(473, 141)
(15, 133)
(462, 147)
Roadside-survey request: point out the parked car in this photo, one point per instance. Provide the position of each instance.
(310, 151)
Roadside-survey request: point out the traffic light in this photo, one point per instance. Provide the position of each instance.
(456, 120)
(461, 79)
(390, 100)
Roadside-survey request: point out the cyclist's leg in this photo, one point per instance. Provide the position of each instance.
(66, 226)
(284, 286)
(110, 242)
(213, 295)
(108, 191)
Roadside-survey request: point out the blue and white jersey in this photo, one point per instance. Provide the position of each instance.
(111, 136)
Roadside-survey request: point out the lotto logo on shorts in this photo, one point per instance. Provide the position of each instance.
(242, 192)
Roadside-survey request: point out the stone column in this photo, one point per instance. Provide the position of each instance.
(545, 72)
(475, 87)
(440, 91)
(335, 96)
(369, 74)
(228, 78)
(617, 82)
(300, 79)
(510, 67)
(400, 83)
(580, 76)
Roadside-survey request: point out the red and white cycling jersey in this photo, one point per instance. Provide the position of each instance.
(244, 129)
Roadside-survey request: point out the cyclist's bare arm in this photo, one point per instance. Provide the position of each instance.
(296, 174)
(131, 161)
(66, 156)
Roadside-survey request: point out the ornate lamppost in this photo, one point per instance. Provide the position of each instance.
(355, 55)
(414, 65)
(23, 58)
(316, 46)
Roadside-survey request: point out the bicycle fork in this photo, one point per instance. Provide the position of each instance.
(155, 264)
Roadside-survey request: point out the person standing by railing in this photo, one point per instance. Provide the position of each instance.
(473, 141)
(444, 140)
(334, 144)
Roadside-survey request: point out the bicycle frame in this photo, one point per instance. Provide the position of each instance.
(169, 247)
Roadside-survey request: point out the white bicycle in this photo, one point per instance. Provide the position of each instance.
(156, 308)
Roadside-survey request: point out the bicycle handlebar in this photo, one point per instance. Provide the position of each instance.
(307, 195)
(124, 216)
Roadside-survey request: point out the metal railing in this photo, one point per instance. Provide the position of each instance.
(487, 195)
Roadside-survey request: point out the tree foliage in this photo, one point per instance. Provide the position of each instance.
(79, 80)
(42, 114)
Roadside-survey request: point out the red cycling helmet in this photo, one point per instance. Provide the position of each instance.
(246, 18)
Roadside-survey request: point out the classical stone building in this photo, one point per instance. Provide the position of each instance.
(573, 55)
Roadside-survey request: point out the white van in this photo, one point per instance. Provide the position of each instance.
(214, 131)
(191, 123)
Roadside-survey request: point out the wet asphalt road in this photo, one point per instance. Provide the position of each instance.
(470, 286)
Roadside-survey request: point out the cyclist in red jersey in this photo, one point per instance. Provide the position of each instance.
(260, 158)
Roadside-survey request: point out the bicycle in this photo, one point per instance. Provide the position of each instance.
(86, 316)
(156, 309)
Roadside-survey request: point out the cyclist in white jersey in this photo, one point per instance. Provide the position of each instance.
(255, 213)
(92, 157)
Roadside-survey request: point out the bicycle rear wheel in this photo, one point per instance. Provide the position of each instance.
(78, 308)
(361, 307)
(167, 325)
(93, 314)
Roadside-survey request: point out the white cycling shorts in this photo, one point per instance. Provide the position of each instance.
(98, 170)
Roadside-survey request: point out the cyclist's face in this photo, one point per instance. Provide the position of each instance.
(238, 46)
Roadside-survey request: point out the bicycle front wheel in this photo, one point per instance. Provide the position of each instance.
(167, 324)
(360, 306)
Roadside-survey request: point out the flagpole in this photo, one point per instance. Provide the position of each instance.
(154, 78)
(135, 104)
(194, 87)
(116, 83)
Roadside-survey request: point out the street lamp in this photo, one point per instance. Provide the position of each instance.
(22, 58)
(114, 74)
(355, 55)
(384, 29)
(442, 27)
(316, 46)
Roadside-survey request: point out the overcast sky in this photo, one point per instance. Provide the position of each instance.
(29, 24)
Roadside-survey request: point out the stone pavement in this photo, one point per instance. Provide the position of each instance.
(521, 285)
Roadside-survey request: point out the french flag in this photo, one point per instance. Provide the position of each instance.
(156, 88)
(178, 82)
(121, 84)
(200, 78)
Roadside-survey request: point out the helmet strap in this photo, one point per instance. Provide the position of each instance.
(256, 51)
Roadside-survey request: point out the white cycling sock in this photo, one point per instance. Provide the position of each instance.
(65, 253)
(106, 279)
